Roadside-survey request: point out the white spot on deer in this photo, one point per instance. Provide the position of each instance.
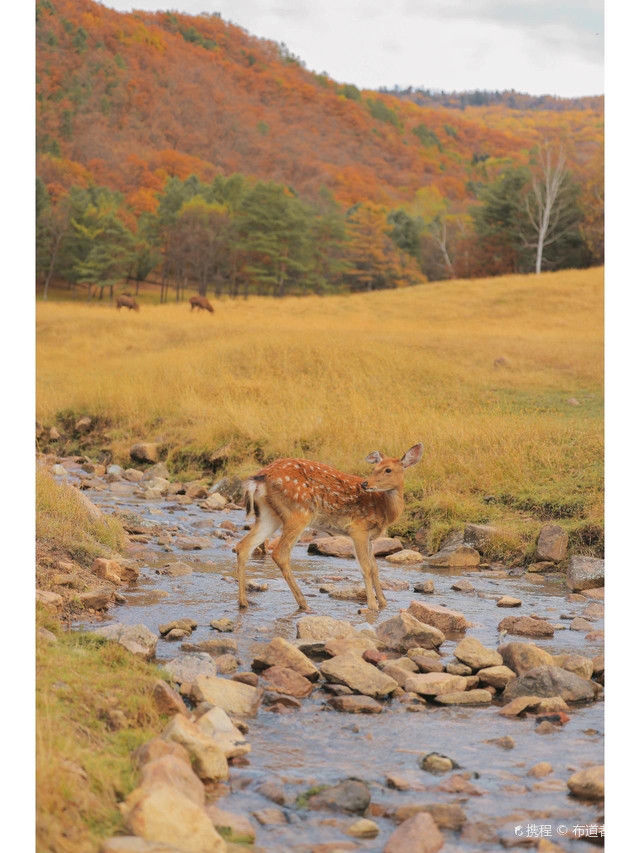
(295, 482)
(287, 479)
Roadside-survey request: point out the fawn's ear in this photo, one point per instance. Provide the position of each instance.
(412, 456)
(374, 457)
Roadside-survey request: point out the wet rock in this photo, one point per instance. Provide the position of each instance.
(94, 599)
(223, 624)
(138, 639)
(353, 592)
(146, 451)
(516, 706)
(196, 491)
(443, 618)
(280, 703)
(355, 704)
(186, 668)
(322, 628)
(434, 683)
(404, 631)
(542, 768)
(508, 601)
(471, 652)
(428, 664)
(187, 625)
(458, 556)
(164, 814)
(59, 471)
(351, 795)
(544, 728)
(226, 664)
(551, 704)
(459, 784)
(418, 834)
(356, 645)
(385, 545)
(192, 543)
(405, 557)
(270, 816)
(505, 742)
(214, 502)
(552, 681)
(274, 790)
(466, 697)
(526, 626)
(398, 673)
(579, 664)
(246, 678)
(552, 543)
(588, 784)
(167, 700)
(176, 570)
(233, 696)
(208, 759)
(446, 815)
(363, 828)
(425, 587)
(594, 610)
(214, 646)
(436, 763)
(521, 657)
(540, 567)
(585, 573)
(133, 475)
(359, 675)
(280, 652)
(285, 680)
(496, 676)
(216, 724)
(580, 624)
(235, 828)
(332, 546)
(596, 594)
(463, 585)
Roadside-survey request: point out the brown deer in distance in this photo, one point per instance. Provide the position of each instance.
(125, 301)
(293, 493)
(201, 303)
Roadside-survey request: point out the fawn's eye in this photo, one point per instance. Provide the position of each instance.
(387, 470)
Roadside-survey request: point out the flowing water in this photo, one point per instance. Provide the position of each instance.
(317, 745)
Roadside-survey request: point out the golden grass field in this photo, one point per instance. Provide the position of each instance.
(332, 378)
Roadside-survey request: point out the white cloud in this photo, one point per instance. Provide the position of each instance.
(534, 46)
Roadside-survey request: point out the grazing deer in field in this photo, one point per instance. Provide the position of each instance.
(292, 493)
(201, 303)
(129, 302)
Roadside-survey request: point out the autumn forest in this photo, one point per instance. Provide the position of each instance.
(180, 154)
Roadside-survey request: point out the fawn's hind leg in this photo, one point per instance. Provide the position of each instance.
(266, 523)
(291, 530)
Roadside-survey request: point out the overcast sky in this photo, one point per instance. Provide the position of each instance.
(535, 46)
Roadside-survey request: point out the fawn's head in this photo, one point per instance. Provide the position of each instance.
(388, 473)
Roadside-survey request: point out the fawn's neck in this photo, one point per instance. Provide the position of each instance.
(393, 504)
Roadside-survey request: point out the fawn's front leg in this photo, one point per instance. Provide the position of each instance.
(361, 543)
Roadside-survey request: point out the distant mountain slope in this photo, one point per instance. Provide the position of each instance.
(127, 100)
(510, 99)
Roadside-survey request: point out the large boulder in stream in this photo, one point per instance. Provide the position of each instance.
(358, 675)
(552, 681)
(404, 631)
(418, 834)
(585, 573)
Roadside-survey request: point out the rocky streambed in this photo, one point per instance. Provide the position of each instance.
(427, 708)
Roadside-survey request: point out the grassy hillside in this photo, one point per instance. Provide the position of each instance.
(336, 377)
(126, 100)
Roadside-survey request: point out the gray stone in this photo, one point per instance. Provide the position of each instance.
(138, 639)
(359, 675)
(351, 796)
(478, 536)
(549, 681)
(459, 556)
(585, 573)
(404, 631)
(186, 668)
